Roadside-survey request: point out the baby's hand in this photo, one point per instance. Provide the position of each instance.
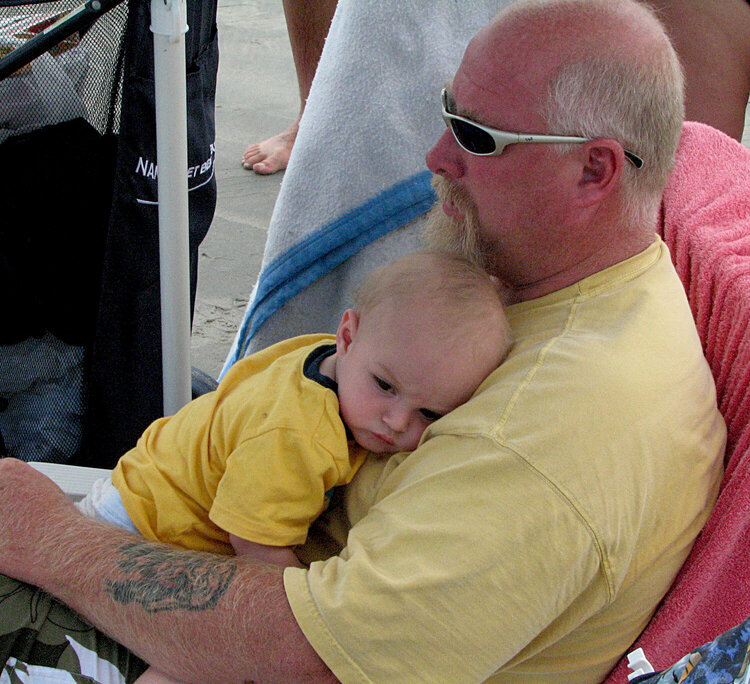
(276, 555)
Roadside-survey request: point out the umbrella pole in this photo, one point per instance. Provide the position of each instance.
(169, 25)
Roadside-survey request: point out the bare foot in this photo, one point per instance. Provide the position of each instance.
(271, 155)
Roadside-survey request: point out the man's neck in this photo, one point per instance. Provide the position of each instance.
(594, 263)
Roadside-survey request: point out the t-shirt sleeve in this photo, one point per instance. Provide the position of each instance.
(274, 486)
(448, 576)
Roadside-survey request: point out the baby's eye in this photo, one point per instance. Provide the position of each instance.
(431, 416)
(385, 386)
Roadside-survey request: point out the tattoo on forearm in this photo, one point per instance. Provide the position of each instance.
(170, 580)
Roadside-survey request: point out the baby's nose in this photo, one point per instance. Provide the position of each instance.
(397, 420)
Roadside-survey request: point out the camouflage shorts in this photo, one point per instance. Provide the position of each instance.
(725, 660)
(43, 640)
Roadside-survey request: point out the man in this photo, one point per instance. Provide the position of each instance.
(533, 532)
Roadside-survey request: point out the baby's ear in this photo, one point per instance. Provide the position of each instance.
(346, 332)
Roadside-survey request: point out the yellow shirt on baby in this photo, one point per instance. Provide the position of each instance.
(255, 458)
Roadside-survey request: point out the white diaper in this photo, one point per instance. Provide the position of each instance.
(104, 503)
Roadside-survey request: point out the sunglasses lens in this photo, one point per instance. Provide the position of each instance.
(473, 139)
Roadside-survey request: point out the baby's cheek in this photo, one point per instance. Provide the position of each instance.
(415, 439)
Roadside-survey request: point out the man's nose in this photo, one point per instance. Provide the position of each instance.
(444, 158)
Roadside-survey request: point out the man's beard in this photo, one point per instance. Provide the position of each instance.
(447, 234)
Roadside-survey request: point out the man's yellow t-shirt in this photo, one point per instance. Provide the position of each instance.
(531, 535)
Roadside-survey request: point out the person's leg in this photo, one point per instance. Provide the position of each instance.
(43, 640)
(307, 23)
(713, 42)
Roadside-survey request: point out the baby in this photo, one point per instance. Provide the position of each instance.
(247, 468)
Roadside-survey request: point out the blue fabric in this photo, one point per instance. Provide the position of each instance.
(325, 249)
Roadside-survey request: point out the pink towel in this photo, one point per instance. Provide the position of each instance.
(705, 221)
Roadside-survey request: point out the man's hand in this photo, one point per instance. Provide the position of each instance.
(31, 508)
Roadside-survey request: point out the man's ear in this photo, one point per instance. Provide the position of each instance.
(346, 332)
(603, 160)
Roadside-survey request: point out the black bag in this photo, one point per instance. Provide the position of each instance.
(125, 386)
(79, 252)
(55, 190)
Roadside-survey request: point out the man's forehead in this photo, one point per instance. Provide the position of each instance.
(497, 102)
(501, 75)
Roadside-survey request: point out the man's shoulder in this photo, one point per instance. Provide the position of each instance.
(624, 356)
(602, 388)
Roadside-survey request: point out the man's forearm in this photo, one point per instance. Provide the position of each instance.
(196, 617)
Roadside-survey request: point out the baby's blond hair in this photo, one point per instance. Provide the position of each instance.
(459, 301)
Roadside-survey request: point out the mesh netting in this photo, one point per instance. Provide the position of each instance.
(80, 76)
(80, 342)
(59, 114)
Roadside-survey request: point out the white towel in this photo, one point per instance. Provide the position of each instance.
(356, 187)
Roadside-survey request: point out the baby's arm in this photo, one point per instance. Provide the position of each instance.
(277, 555)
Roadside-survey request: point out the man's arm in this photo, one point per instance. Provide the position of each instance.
(195, 616)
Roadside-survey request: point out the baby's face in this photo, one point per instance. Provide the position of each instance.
(395, 378)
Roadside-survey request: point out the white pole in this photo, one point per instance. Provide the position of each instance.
(169, 25)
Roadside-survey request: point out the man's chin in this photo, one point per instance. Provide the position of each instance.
(441, 232)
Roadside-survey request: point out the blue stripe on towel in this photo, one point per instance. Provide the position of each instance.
(320, 252)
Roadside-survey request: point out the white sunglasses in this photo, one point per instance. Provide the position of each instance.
(484, 141)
